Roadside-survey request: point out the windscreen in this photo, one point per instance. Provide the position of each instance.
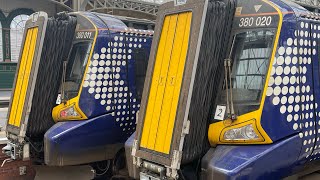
(75, 69)
(250, 62)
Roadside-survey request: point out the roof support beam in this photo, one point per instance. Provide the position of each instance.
(135, 5)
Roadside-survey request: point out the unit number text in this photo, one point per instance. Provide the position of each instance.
(83, 35)
(255, 21)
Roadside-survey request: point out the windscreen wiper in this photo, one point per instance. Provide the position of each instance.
(63, 80)
(227, 70)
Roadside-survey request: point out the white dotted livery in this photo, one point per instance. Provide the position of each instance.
(290, 86)
(107, 77)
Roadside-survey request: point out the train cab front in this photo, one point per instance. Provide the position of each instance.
(98, 101)
(255, 125)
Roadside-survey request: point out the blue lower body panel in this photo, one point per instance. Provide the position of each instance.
(80, 142)
(273, 161)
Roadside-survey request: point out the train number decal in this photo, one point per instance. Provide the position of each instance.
(260, 21)
(84, 35)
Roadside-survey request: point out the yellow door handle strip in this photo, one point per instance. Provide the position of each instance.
(154, 83)
(27, 76)
(19, 80)
(177, 88)
(168, 94)
(160, 90)
(23, 77)
(165, 91)
(20, 76)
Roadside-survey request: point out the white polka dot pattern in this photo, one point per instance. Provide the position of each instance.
(290, 85)
(106, 78)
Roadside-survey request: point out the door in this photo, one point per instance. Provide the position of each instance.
(166, 83)
(23, 77)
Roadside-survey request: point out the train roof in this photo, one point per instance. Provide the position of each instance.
(117, 23)
(131, 19)
(298, 9)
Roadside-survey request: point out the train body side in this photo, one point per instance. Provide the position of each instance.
(269, 130)
(109, 96)
(290, 114)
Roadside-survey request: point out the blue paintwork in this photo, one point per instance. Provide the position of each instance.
(272, 117)
(66, 142)
(316, 90)
(252, 162)
(289, 117)
(268, 120)
(108, 97)
(64, 133)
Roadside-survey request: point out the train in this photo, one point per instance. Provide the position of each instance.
(233, 95)
(222, 89)
(77, 89)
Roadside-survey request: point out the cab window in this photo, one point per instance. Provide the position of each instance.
(250, 62)
(75, 69)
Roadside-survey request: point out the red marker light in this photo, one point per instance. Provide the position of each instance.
(63, 114)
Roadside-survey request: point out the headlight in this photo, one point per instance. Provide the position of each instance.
(243, 133)
(69, 112)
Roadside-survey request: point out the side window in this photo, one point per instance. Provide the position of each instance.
(141, 64)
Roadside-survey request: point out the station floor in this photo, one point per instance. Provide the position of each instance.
(4, 102)
(5, 95)
(43, 172)
(3, 117)
(313, 176)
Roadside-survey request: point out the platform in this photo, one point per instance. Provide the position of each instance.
(5, 96)
(3, 117)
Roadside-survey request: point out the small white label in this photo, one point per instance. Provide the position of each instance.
(220, 111)
(35, 17)
(179, 2)
(26, 152)
(58, 101)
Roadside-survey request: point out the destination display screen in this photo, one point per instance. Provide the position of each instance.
(256, 14)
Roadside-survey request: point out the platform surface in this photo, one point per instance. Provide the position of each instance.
(64, 173)
(313, 176)
(5, 95)
(3, 117)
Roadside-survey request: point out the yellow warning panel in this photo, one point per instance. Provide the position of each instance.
(155, 82)
(161, 82)
(23, 76)
(173, 87)
(166, 83)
